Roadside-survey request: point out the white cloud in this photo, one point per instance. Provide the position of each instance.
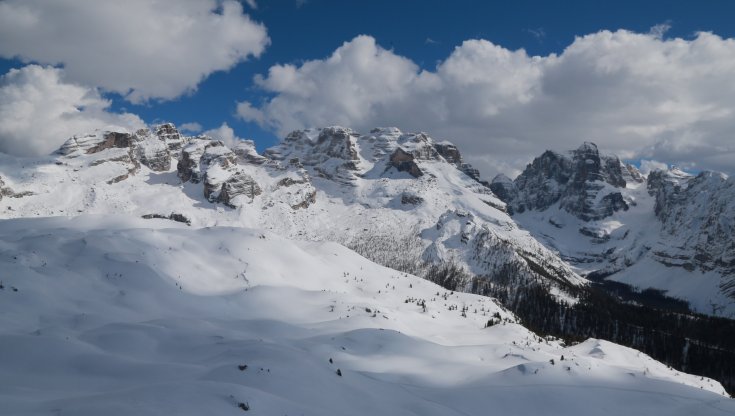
(191, 127)
(538, 33)
(247, 112)
(138, 48)
(647, 166)
(224, 133)
(39, 110)
(658, 31)
(638, 95)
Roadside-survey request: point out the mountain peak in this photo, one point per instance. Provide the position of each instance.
(587, 148)
(584, 183)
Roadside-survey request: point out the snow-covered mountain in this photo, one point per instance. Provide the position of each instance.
(670, 230)
(184, 274)
(402, 200)
(118, 315)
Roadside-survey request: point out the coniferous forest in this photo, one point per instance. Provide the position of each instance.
(690, 342)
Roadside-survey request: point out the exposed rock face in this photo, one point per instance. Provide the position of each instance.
(492, 255)
(612, 231)
(113, 139)
(631, 174)
(449, 152)
(471, 172)
(330, 152)
(342, 155)
(667, 186)
(337, 142)
(78, 144)
(421, 146)
(238, 184)
(188, 165)
(211, 162)
(6, 191)
(290, 182)
(245, 150)
(284, 188)
(698, 212)
(411, 199)
(202, 151)
(309, 199)
(590, 167)
(335, 184)
(173, 217)
(168, 132)
(584, 184)
(317, 146)
(152, 151)
(404, 162)
(171, 136)
(504, 188)
(140, 148)
(542, 182)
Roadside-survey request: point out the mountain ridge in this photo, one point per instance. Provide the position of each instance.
(402, 200)
(394, 174)
(604, 217)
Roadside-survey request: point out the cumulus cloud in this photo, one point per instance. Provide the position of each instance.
(39, 110)
(658, 31)
(635, 94)
(192, 127)
(138, 48)
(224, 133)
(647, 166)
(247, 112)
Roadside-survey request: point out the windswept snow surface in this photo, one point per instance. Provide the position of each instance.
(117, 315)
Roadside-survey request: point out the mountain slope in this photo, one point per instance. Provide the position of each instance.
(118, 315)
(669, 231)
(414, 196)
(402, 200)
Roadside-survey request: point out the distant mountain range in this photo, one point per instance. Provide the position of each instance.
(579, 245)
(413, 200)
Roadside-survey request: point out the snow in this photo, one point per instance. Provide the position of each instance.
(102, 312)
(626, 243)
(117, 315)
(327, 200)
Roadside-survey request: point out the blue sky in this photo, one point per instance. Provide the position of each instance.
(424, 32)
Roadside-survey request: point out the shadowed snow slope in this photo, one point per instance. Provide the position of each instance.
(118, 316)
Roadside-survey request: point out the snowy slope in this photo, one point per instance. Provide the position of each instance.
(669, 231)
(402, 200)
(118, 315)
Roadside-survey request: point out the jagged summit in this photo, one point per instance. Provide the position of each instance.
(588, 148)
(669, 230)
(584, 183)
(402, 199)
(333, 182)
(408, 190)
(342, 153)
